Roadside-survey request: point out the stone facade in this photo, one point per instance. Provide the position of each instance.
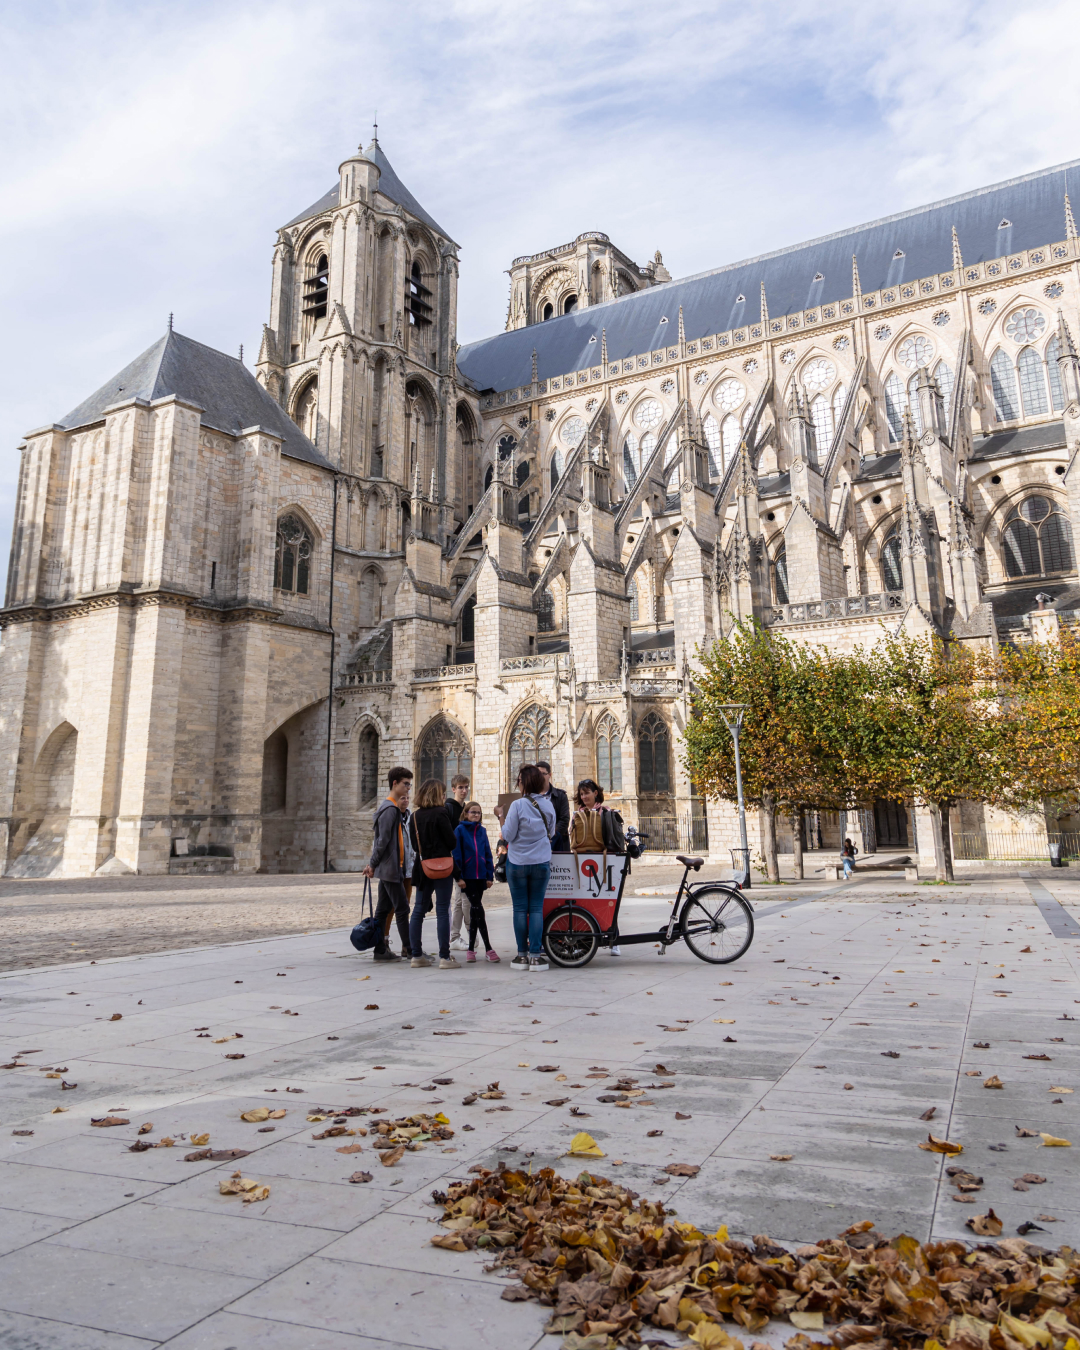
(235, 601)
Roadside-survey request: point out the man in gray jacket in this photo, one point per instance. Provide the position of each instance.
(391, 862)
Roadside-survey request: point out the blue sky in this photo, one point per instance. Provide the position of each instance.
(149, 151)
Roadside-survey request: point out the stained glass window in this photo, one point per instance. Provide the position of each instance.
(530, 739)
(629, 459)
(730, 435)
(654, 773)
(1025, 325)
(443, 751)
(895, 407)
(1029, 366)
(729, 394)
(780, 575)
(892, 575)
(1003, 384)
(1037, 539)
(711, 431)
(821, 415)
(818, 374)
(292, 556)
(572, 430)
(648, 413)
(915, 351)
(608, 754)
(944, 376)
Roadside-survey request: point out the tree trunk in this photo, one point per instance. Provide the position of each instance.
(768, 818)
(797, 840)
(943, 859)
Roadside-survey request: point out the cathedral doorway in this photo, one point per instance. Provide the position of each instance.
(42, 852)
(890, 824)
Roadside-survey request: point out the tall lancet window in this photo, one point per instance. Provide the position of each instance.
(713, 440)
(892, 577)
(629, 460)
(731, 437)
(780, 575)
(1032, 383)
(895, 407)
(608, 754)
(821, 415)
(1003, 384)
(292, 556)
(945, 380)
(913, 404)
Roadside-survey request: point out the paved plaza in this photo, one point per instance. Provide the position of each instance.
(858, 1008)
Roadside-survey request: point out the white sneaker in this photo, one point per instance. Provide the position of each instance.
(538, 963)
(459, 945)
(615, 950)
(520, 962)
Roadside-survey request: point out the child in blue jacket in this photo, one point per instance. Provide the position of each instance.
(472, 854)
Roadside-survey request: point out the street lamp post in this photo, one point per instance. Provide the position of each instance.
(732, 713)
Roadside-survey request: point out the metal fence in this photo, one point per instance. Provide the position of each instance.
(687, 833)
(1024, 845)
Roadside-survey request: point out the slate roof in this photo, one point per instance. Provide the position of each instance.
(230, 396)
(1034, 206)
(390, 185)
(1008, 603)
(1045, 436)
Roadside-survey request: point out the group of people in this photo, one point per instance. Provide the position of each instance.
(437, 855)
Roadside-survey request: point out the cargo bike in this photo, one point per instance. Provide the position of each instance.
(584, 898)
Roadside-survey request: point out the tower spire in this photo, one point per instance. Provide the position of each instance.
(957, 259)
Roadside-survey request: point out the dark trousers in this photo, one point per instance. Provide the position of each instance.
(392, 900)
(424, 888)
(477, 919)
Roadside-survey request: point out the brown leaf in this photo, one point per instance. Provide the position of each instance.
(557, 1101)
(358, 1178)
(1033, 1178)
(546, 1068)
(993, 1082)
(146, 1128)
(780, 1157)
(371, 1007)
(1021, 1133)
(1044, 1057)
(652, 1134)
(985, 1225)
(139, 1146)
(451, 1242)
(681, 1170)
(982, 1045)
(929, 1113)
(256, 1115)
(350, 1148)
(683, 1115)
(116, 1017)
(234, 1056)
(388, 1157)
(934, 1145)
(103, 1122)
(277, 1115)
(201, 1155)
(68, 1087)
(166, 1142)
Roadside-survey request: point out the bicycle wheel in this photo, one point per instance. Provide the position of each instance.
(571, 937)
(718, 925)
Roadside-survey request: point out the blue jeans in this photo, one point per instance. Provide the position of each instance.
(849, 867)
(528, 884)
(443, 889)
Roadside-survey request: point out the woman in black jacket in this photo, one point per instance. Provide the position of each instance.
(432, 840)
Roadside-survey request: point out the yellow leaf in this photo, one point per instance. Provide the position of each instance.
(584, 1146)
(1057, 1089)
(712, 1337)
(727, 1021)
(277, 1115)
(721, 1234)
(807, 1321)
(315, 1119)
(165, 1143)
(935, 1145)
(441, 1119)
(199, 1139)
(993, 1082)
(256, 1115)
(57, 1110)
(255, 1194)
(1049, 1141)
(1024, 1332)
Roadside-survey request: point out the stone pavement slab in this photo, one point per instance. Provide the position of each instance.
(874, 987)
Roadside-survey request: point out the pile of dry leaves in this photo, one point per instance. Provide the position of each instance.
(606, 1263)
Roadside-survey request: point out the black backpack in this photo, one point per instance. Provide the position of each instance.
(365, 934)
(614, 832)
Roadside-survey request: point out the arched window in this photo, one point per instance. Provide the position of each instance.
(549, 311)
(731, 435)
(648, 445)
(292, 556)
(521, 473)
(1032, 383)
(913, 403)
(489, 475)
(711, 430)
(368, 767)
(468, 622)
(839, 395)
(370, 598)
(944, 376)
(821, 414)
(629, 460)
(780, 575)
(544, 604)
(1037, 539)
(418, 299)
(523, 510)
(306, 410)
(556, 467)
(569, 304)
(443, 751)
(608, 754)
(1053, 371)
(317, 287)
(895, 407)
(1003, 384)
(530, 739)
(275, 775)
(654, 753)
(634, 611)
(507, 446)
(892, 575)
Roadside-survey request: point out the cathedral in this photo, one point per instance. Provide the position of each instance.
(235, 599)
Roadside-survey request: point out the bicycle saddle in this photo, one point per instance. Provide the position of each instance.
(695, 863)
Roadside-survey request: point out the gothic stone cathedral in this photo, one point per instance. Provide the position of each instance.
(235, 600)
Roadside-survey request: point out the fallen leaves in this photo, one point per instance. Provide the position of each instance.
(234, 1056)
(1021, 1133)
(934, 1145)
(1043, 1057)
(371, 1007)
(116, 1017)
(929, 1113)
(985, 1225)
(1060, 1089)
(103, 1122)
(350, 1148)
(1050, 1141)
(546, 1068)
(388, 1157)
(557, 1101)
(258, 1114)
(359, 1177)
(584, 1146)
(681, 1169)
(664, 1028)
(200, 1139)
(993, 1082)
(212, 1154)
(249, 1191)
(146, 1128)
(780, 1157)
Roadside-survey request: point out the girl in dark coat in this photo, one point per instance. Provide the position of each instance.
(432, 837)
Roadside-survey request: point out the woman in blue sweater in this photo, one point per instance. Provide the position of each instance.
(472, 853)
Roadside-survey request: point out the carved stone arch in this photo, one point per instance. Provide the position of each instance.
(372, 587)
(307, 239)
(529, 735)
(54, 769)
(295, 508)
(443, 749)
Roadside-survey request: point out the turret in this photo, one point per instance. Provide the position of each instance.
(359, 175)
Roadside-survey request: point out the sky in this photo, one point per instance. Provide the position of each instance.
(150, 151)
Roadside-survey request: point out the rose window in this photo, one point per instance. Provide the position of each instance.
(648, 413)
(1025, 325)
(915, 352)
(572, 430)
(729, 394)
(818, 375)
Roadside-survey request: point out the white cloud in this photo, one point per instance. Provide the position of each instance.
(151, 151)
